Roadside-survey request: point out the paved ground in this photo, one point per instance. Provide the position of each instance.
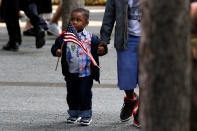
(44, 108)
(33, 95)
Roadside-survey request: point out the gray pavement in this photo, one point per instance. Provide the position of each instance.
(33, 94)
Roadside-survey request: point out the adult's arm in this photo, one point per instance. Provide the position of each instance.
(108, 21)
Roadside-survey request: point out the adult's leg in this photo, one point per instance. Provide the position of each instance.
(129, 93)
(31, 11)
(57, 15)
(128, 77)
(54, 29)
(28, 30)
(39, 24)
(11, 8)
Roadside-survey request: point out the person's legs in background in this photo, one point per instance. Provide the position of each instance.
(54, 29)
(28, 29)
(11, 7)
(39, 24)
(44, 9)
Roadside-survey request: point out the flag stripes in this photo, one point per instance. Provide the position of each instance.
(70, 37)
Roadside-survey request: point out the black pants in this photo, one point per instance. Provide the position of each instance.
(44, 6)
(1, 15)
(79, 93)
(11, 9)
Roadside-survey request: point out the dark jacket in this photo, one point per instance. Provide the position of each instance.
(116, 11)
(95, 71)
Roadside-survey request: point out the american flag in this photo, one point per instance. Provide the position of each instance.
(72, 36)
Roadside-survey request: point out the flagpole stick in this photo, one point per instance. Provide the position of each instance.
(57, 63)
(59, 57)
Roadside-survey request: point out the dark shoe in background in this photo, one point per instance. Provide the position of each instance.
(40, 38)
(1, 14)
(11, 46)
(128, 108)
(136, 121)
(2, 20)
(30, 32)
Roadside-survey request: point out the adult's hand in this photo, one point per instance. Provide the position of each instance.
(102, 48)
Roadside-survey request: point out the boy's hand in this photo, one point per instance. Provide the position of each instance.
(59, 52)
(102, 48)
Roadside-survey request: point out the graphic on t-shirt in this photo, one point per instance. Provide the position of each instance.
(73, 47)
(72, 52)
(72, 57)
(134, 10)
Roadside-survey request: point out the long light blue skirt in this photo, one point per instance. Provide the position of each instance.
(127, 62)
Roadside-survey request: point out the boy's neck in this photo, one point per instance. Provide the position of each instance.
(80, 31)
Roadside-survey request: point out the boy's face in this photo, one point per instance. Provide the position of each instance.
(78, 21)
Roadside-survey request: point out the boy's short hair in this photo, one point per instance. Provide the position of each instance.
(83, 11)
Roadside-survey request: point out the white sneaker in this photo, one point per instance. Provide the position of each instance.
(85, 121)
(54, 29)
(73, 120)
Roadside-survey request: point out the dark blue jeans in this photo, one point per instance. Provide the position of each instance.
(79, 96)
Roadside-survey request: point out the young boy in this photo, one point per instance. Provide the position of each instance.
(78, 68)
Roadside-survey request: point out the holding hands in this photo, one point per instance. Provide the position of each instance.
(102, 48)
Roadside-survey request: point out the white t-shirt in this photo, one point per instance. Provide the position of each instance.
(134, 18)
(72, 57)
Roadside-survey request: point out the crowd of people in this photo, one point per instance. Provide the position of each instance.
(39, 19)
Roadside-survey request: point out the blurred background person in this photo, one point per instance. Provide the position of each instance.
(1, 19)
(11, 9)
(52, 20)
(44, 8)
(53, 27)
